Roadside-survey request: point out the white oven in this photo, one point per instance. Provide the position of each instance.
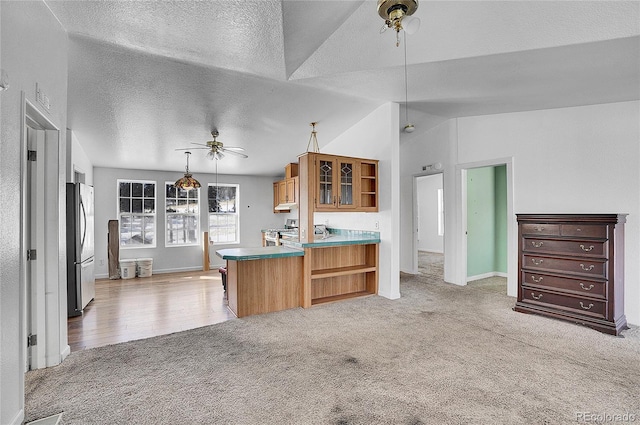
(272, 238)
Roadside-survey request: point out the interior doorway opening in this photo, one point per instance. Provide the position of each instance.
(41, 311)
(487, 226)
(429, 225)
(486, 229)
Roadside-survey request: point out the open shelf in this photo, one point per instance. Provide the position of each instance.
(342, 272)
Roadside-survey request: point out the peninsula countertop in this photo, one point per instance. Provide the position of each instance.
(336, 237)
(258, 253)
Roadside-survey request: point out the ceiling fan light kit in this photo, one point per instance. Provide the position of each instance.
(187, 182)
(394, 12)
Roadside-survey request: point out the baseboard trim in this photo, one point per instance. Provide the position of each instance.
(18, 418)
(485, 275)
(65, 353)
(212, 267)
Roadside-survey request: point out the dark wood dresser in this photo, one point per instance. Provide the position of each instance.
(571, 267)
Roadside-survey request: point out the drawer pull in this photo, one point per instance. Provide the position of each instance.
(586, 249)
(539, 228)
(585, 268)
(533, 295)
(586, 289)
(586, 308)
(538, 280)
(537, 245)
(536, 261)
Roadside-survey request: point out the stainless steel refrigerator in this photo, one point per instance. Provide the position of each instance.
(80, 246)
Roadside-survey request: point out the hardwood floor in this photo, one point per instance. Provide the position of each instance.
(131, 309)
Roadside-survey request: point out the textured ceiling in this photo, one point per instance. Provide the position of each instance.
(146, 78)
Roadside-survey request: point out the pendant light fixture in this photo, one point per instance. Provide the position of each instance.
(187, 182)
(313, 139)
(408, 127)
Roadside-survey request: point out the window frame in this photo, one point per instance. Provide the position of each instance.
(167, 215)
(143, 214)
(236, 214)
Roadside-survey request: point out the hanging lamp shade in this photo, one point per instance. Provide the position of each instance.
(187, 182)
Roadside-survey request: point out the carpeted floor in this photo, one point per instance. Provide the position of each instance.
(441, 354)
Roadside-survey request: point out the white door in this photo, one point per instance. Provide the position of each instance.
(35, 264)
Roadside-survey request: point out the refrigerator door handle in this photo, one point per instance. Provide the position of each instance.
(83, 224)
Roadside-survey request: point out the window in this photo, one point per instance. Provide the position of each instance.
(137, 213)
(183, 216)
(224, 220)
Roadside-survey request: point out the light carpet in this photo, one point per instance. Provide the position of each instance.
(441, 354)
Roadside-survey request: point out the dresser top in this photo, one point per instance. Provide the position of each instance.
(564, 218)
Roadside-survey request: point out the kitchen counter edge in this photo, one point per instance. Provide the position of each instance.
(259, 253)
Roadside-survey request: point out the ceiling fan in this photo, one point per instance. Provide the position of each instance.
(217, 148)
(397, 15)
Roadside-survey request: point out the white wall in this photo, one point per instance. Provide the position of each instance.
(256, 213)
(33, 50)
(375, 137)
(428, 237)
(568, 160)
(77, 160)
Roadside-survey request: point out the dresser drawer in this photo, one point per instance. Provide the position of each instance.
(584, 266)
(592, 288)
(540, 229)
(583, 306)
(581, 248)
(584, 230)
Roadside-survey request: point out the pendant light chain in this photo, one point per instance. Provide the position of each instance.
(406, 84)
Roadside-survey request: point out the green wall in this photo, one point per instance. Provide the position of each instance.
(501, 218)
(486, 220)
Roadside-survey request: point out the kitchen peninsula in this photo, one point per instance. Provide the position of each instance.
(343, 264)
(312, 268)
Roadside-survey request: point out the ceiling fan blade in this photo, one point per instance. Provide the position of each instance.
(190, 149)
(199, 144)
(233, 148)
(225, 150)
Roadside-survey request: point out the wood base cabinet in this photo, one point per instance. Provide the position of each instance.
(571, 267)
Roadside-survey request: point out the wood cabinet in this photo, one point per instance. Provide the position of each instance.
(263, 285)
(571, 268)
(340, 183)
(336, 183)
(339, 272)
(285, 192)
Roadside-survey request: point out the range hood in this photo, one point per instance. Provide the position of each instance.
(286, 206)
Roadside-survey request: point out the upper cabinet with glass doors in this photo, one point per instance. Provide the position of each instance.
(339, 182)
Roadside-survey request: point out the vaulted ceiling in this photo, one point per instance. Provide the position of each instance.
(146, 78)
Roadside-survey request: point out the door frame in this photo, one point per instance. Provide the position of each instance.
(461, 227)
(415, 218)
(50, 322)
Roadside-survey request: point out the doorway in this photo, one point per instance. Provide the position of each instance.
(487, 227)
(429, 225)
(40, 267)
(486, 207)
